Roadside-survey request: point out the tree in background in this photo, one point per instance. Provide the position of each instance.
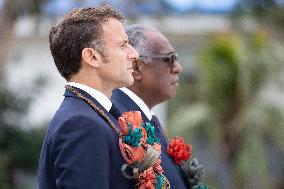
(268, 13)
(230, 124)
(9, 14)
(234, 129)
(19, 149)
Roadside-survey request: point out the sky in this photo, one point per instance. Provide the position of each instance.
(57, 7)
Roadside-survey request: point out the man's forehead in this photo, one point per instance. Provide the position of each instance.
(160, 42)
(113, 29)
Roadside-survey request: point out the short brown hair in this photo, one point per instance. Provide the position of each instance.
(79, 29)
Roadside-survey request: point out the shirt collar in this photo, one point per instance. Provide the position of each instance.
(146, 110)
(99, 96)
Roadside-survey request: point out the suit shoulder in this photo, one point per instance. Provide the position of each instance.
(77, 115)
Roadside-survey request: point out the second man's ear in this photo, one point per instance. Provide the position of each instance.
(136, 65)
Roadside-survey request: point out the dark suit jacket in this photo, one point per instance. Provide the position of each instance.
(172, 171)
(80, 149)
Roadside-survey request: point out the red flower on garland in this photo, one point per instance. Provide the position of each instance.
(179, 150)
(134, 118)
(147, 179)
(144, 157)
(132, 154)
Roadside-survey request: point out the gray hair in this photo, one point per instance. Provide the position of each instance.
(139, 40)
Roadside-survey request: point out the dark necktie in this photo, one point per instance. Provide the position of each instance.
(114, 111)
(164, 140)
(155, 121)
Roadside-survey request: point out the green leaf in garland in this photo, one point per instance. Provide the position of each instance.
(133, 138)
(159, 183)
(201, 186)
(151, 136)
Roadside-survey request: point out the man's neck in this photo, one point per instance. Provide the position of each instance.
(139, 102)
(148, 99)
(106, 90)
(99, 96)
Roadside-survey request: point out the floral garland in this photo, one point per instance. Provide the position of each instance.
(142, 151)
(139, 147)
(193, 170)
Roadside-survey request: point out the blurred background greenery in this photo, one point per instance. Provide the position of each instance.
(233, 127)
(230, 101)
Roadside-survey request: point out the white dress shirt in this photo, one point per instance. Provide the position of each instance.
(99, 96)
(146, 110)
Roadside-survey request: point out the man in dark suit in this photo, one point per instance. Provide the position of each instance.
(80, 150)
(155, 81)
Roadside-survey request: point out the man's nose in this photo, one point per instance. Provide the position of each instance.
(133, 54)
(177, 68)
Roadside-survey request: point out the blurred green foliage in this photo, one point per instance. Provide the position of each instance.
(268, 12)
(19, 149)
(234, 129)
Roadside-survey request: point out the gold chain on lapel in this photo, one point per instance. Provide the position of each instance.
(93, 105)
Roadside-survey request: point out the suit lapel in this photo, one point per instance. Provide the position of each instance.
(129, 103)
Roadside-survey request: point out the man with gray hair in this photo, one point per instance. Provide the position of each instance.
(155, 81)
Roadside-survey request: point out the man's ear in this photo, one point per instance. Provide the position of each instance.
(91, 57)
(136, 65)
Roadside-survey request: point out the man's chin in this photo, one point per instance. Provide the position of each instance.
(127, 83)
(130, 82)
(172, 94)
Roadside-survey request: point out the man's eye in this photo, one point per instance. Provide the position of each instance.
(123, 45)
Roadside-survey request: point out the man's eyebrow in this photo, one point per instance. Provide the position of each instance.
(172, 52)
